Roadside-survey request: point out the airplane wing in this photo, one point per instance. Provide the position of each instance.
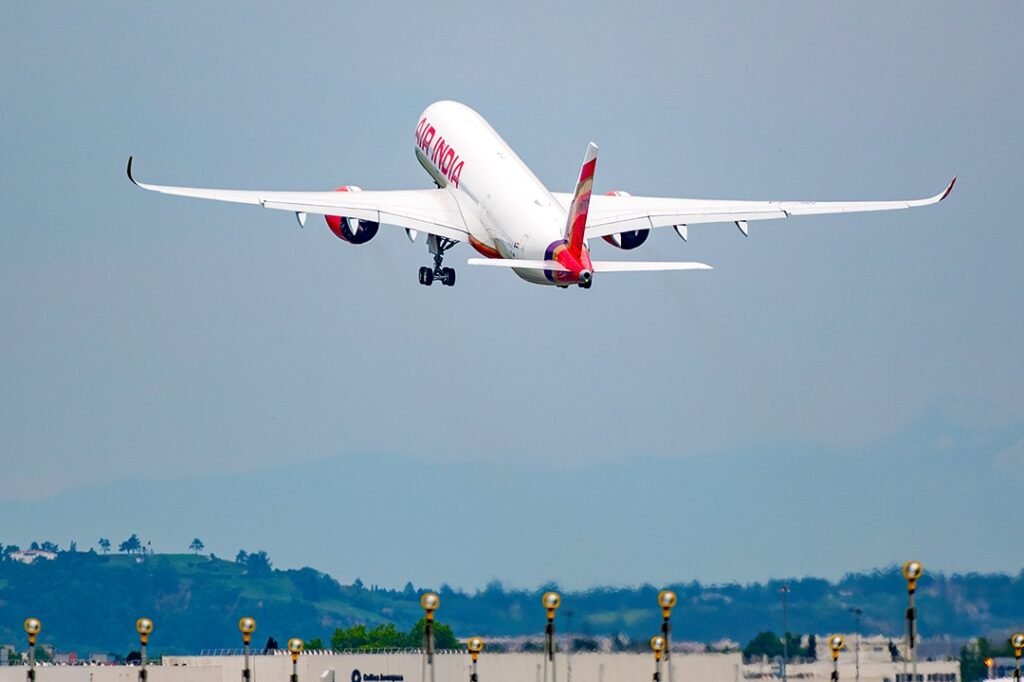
(610, 214)
(434, 211)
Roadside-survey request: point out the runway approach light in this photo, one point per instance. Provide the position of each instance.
(835, 643)
(666, 600)
(144, 626)
(295, 646)
(247, 626)
(551, 602)
(1017, 642)
(32, 628)
(430, 603)
(475, 646)
(912, 571)
(658, 646)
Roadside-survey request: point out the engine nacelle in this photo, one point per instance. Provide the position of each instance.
(625, 240)
(352, 230)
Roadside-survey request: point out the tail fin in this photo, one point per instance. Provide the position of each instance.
(577, 222)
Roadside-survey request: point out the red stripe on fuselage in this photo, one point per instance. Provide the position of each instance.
(482, 248)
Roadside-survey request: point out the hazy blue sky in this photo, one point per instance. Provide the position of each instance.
(839, 393)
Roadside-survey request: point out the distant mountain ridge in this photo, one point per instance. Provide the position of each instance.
(89, 602)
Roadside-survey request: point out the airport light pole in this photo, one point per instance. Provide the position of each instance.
(912, 571)
(857, 613)
(143, 626)
(551, 602)
(835, 642)
(430, 602)
(667, 600)
(658, 645)
(248, 626)
(32, 628)
(295, 646)
(568, 646)
(785, 635)
(475, 646)
(1017, 642)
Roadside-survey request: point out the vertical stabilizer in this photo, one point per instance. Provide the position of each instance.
(577, 221)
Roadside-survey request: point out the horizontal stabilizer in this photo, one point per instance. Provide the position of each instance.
(552, 265)
(641, 266)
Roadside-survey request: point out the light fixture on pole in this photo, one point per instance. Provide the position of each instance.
(295, 646)
(835, 643)
(667, 600)
(856, 647)
(912, 571)
(248, 626)
(33, 627)
(551, 602)
(430, 603)
(1017, 642)
(144, 626)
(658, 645)
(475, 646)
(568, 646)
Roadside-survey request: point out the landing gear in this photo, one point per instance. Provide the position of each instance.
(446, 276)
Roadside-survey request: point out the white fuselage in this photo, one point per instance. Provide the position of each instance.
(508, 210)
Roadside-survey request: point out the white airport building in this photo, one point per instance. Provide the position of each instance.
(495, 667)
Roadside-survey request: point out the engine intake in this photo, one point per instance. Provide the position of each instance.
(625, 240)
(352, 230)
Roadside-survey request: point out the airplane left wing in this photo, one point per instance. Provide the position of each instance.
(435, 211)
(611, 214)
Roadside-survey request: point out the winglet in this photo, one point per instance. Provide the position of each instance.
(949, 188)
(130, 172)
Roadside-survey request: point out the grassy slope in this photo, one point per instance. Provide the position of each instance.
(89, 603)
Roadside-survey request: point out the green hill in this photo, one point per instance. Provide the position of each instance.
(88, 603)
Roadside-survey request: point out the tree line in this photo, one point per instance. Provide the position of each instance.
(387, 636)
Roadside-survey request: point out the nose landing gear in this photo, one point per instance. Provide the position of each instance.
(446, 276)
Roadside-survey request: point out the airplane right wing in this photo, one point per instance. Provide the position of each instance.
(612, 214)
(434, 211)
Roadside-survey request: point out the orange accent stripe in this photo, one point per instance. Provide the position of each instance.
(482, 248)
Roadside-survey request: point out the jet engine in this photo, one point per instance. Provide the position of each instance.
(352, 230)
(625, 240)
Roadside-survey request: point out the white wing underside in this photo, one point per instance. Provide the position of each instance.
(611, 214)
(435, 211)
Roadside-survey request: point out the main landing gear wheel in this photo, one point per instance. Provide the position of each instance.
(446, 276)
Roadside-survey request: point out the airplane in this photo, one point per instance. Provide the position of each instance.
(487, 196)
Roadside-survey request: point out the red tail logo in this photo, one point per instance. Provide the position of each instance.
(577, 222)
